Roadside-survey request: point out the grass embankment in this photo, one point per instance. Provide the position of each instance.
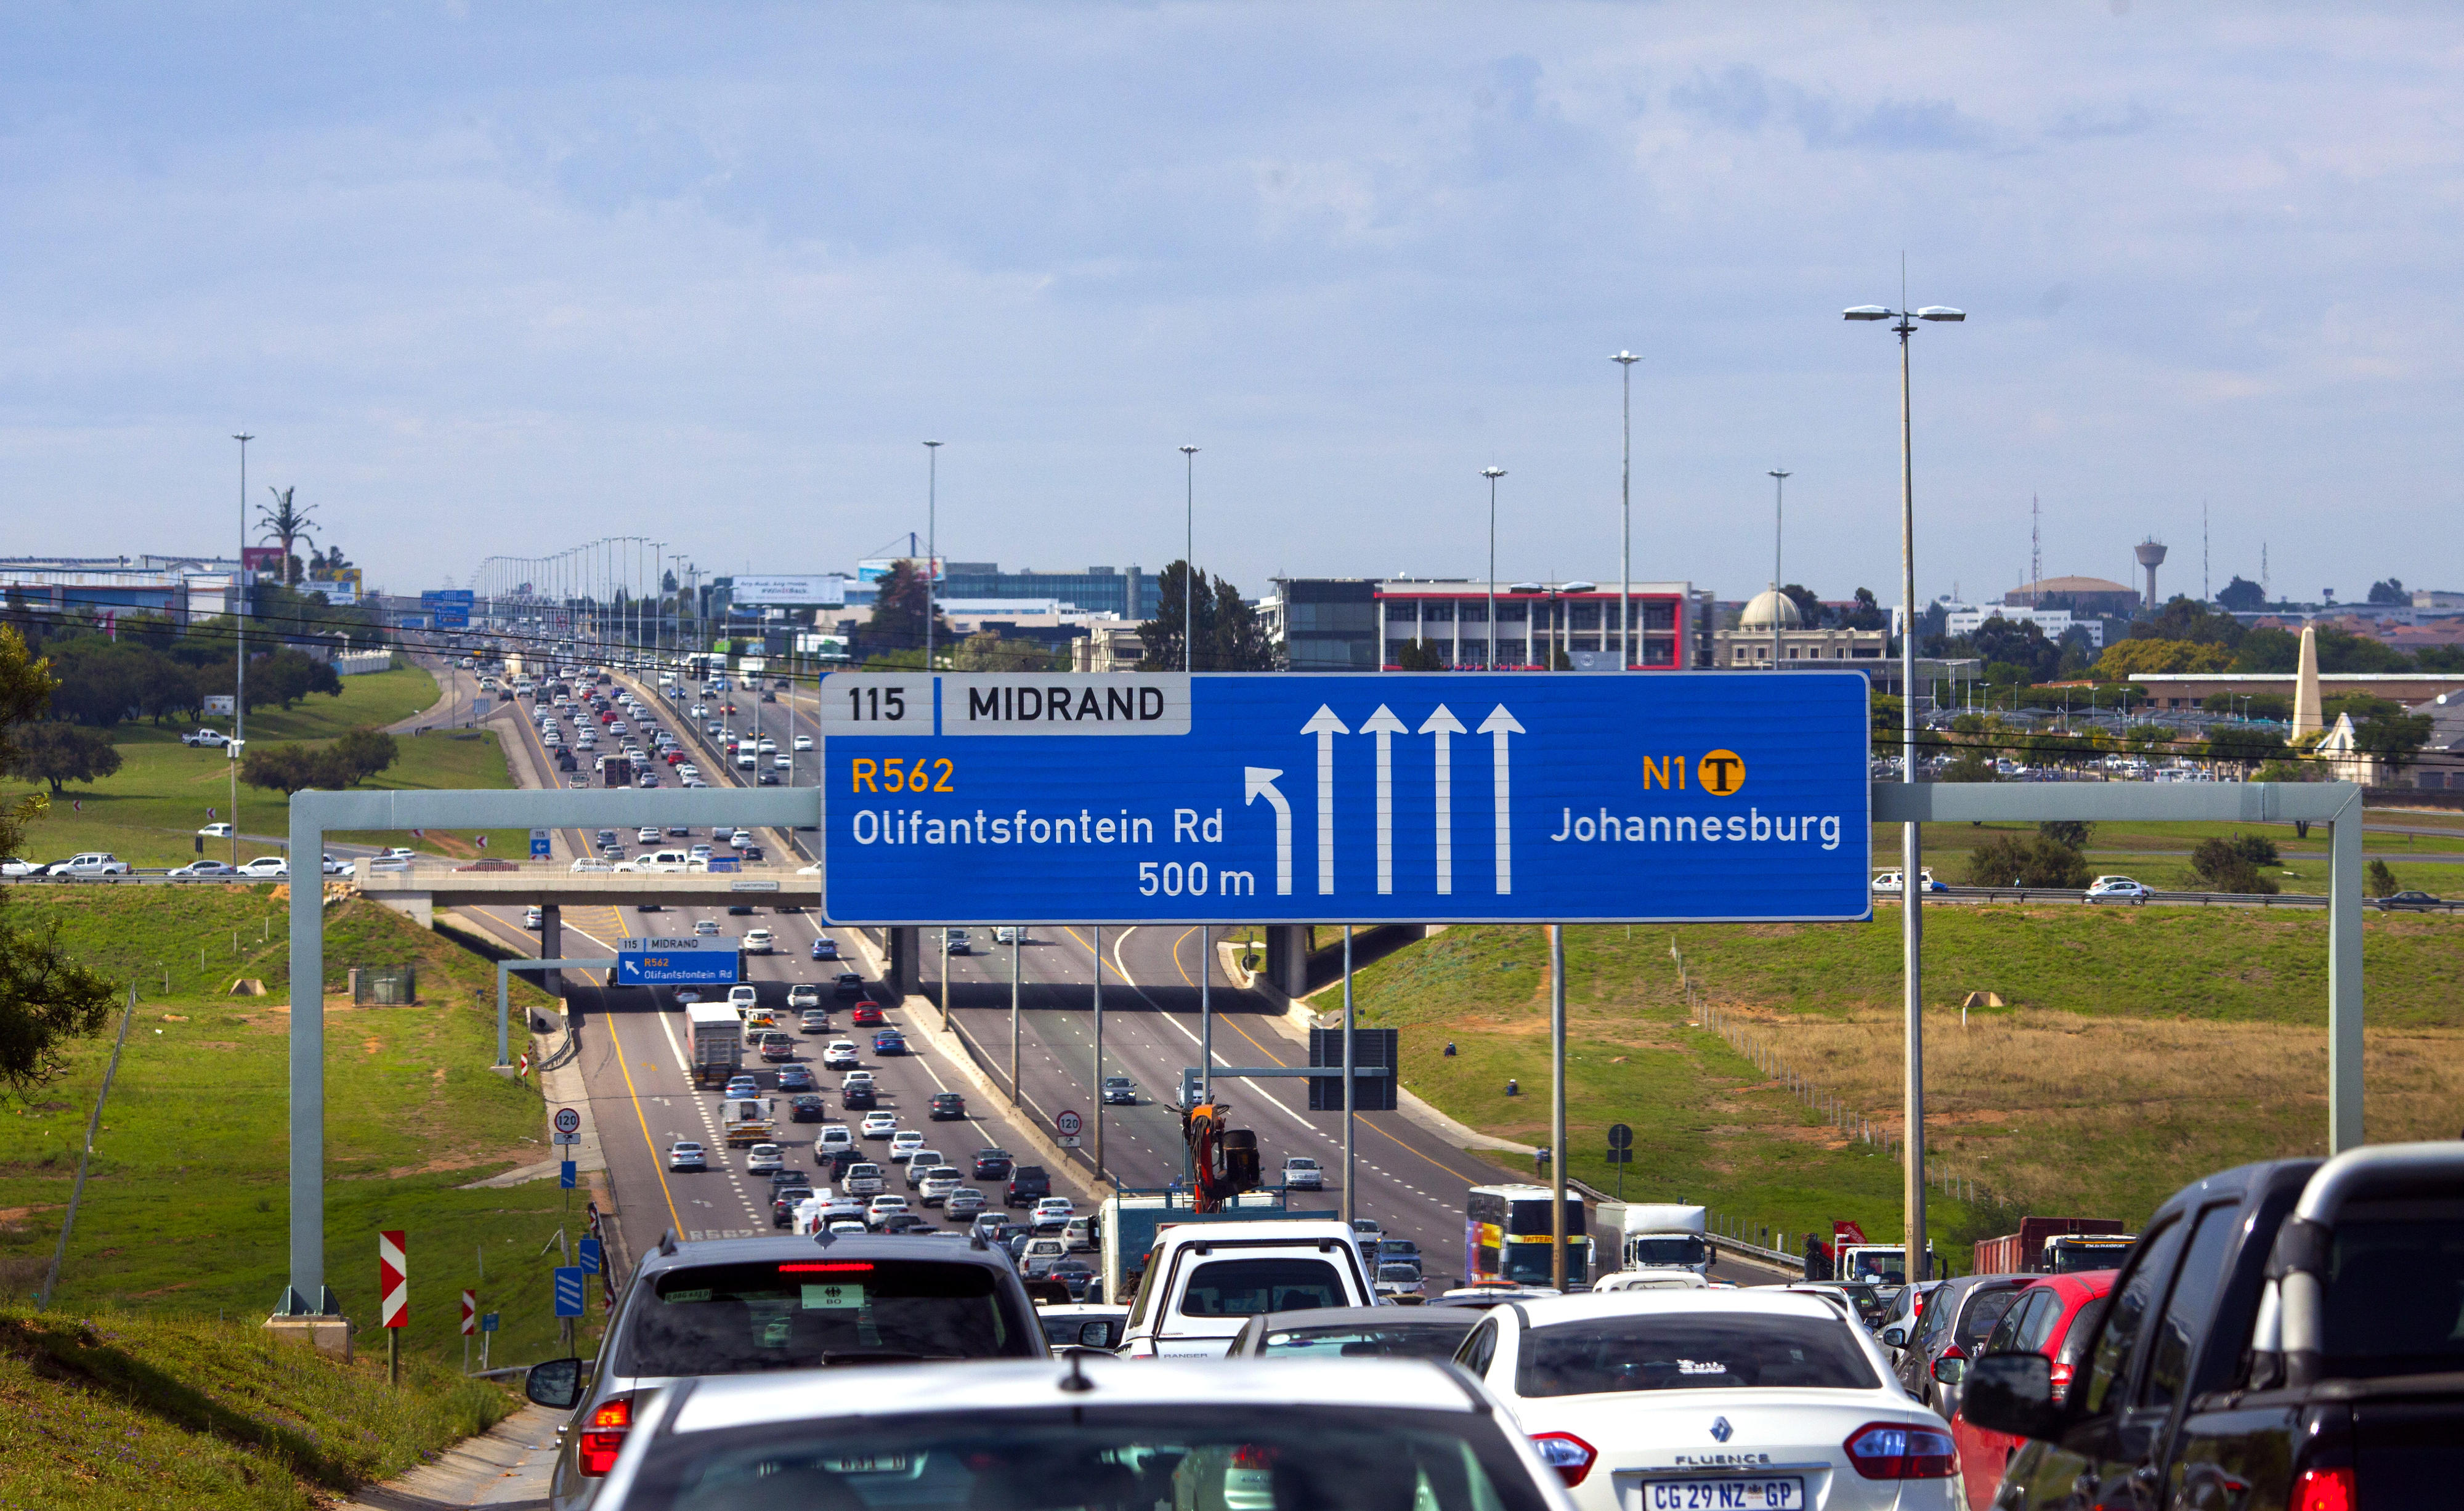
(2159, 854)
(148, 813)
(129, 1410)
(186, 1207)
(2142, 1049)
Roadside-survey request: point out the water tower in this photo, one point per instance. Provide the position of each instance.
(2151, 555)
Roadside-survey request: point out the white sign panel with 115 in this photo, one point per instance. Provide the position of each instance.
(1272, 797)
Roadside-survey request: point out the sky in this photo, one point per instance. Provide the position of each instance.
(496, 278)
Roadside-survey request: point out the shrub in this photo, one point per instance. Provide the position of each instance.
(2378, 880)
(2026, 860)
(2232, 865)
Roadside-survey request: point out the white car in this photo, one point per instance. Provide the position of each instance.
(1761, 1397)
(934, 1188)
(841, 1055)
(833, 1137)
(93, 863)
(688, 1156)
(881, 1207)
(216, 831)
(803, 742)
(533, 917)
(744, 998)
(196, 870)
(803, 994)
(783, 762)
(591, 864)
(881, 1124)
(1887, 884)
(1302, 1174)
(759, 941)
(647, 834)
(1009, 934)
(332, 866)
(2116, 889)
(903, 1145)
(762, 1158)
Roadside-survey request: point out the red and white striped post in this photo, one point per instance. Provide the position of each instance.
(393, 1298)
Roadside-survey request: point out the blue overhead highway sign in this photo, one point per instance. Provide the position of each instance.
(695, 960)
(1265, 798)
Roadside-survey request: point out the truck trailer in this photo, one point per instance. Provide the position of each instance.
(2054, 1246)
(717, 1041)
(1659, 1235)
(748, 1120)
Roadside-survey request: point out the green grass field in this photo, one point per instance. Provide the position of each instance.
(2141, 1049)
(2159, 854)
(148, 813)
(186, 1207)
(126, 1409)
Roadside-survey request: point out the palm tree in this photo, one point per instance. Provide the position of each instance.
(286, 525)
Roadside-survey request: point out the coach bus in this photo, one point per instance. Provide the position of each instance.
(1505, 1236)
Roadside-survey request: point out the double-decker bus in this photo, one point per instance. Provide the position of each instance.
(1507, 1234)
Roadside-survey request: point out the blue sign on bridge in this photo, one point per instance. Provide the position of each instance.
(695, 960)
(1269, 798)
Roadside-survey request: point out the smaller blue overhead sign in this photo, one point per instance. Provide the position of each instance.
(699, 960)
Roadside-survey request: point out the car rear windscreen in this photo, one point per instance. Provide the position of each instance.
(1228, 1458)
(2395, 1293)
(1674, 1351)
(1246, 1288)
(1434, 1341)
(727, 1318)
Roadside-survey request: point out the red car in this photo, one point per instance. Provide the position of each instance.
(2053, 1316)
(868, 1015)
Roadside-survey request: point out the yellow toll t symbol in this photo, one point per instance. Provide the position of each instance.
(1721, 773)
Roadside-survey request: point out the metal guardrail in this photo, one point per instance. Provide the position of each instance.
(2060, 894)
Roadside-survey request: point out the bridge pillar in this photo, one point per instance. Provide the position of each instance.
(904, 975)
(1287, 960)
(551, 947)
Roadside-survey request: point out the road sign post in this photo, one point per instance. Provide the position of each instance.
(393, 1298)
(567, 1120)
(470, 1325)
(1620, 1153)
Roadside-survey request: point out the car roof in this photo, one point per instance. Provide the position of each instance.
(952, 1249)
(1459, 1318)
(1766, 1302)
(985, 1386)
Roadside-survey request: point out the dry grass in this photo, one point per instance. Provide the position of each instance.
(2058, 1109)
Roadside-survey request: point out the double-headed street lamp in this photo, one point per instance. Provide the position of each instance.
(1625, 361)
(1911, 837)
(1492, 473)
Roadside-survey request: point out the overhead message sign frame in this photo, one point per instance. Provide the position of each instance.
(1463, 797)
(693, 960)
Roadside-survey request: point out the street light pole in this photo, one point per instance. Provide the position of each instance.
(931, 538)
(1779, 500)
(239, 644)
(1189, 564)
(1911, 836)
(1492, 473)
(1625, 361)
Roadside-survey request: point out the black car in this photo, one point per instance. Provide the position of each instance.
(755, 852)
(808, 1108)
(904, 1222)
(849, 985)
(859, 1097)
(782, 1203)
(945, 1106)
(2415, 901)
(739, 909)
(992, 1164)
(649, 908)
(1026, 1184)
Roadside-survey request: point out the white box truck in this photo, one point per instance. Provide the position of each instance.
(1659, 1235)
(717, 1041)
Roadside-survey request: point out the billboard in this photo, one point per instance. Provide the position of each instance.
(261, 559)
(823, 590)
(874, 568)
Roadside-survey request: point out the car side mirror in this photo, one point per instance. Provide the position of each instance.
(1950, 1372)
(1895, 1336)
(556, 1383)
(2013, 1392)
(1095, 1335)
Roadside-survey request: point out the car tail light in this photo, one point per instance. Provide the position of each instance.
(602, 1437)
(2324, 1490)
(1565, 1453)
(2061, 1381)
(1901, 1451)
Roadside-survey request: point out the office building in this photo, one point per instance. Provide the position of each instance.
(1366, 624)
(1753, 643)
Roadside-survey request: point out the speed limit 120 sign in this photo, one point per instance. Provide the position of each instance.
(568, 1121)
(1067, 1124)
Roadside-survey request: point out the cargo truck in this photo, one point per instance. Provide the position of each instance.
(717, 1043)
(748, 1120)
(617, 771)
(2054, 1246)
(1659, 1235)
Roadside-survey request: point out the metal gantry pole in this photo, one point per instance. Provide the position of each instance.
(2344, 979)
(1017, 937)
(1912, 1183)
(1350, 1209)
(1627, 644)
(307, 1294)
(239, 642)
(1557, 1106)
(1099, 1051)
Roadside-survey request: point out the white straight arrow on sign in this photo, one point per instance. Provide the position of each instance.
(1445, 725)
(1258, 781)
(1385, 726)
(1325, 727)
(1497, 727)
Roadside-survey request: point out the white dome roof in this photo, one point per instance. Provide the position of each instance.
(1764, 605)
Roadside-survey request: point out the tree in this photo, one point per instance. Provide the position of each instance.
(2395, 740)
(1419, 655)
(364, 752)
(1809, 612)
(288, 676)
(2245, 745)
(2127, 658)
(60, 754)
(286, 524)
(2389, 591)
(2186, 619)
(1231, 637)
(2377, 880)
(898, 609)
(2147, 737)
(1868, 614)
(2069, 833)
(1973, 765)
(46, 997)
(2232, 865)
(2026, 860)
(986, 651)
(2022, 647)
(2242, 594)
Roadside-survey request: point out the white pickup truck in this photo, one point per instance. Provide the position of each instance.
(1204, 1281)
